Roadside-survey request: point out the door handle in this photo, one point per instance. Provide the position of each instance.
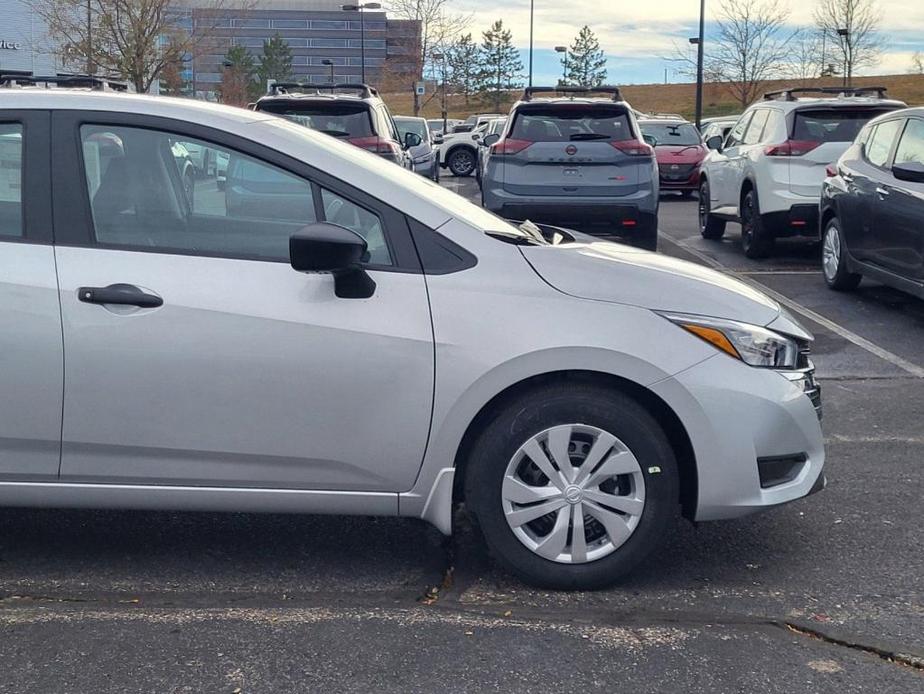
(883, 192)
(123, 294)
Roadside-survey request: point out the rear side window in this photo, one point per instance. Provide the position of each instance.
(756, 128)
(831, 125)
(572, 123)
(10, 180)
(880, 142)
(336, 119)
(911, 146)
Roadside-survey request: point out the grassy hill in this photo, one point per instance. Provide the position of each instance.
(673, 98)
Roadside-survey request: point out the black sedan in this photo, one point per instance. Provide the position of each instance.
(872, 207)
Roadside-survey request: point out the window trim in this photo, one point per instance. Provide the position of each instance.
(887, 165)
(901, 136)
(746, 118)
(71, 201)
(37, 222)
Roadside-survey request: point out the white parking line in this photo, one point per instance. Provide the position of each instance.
(848, 335)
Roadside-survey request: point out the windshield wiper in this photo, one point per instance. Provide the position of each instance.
(589, 136)
(335, 133)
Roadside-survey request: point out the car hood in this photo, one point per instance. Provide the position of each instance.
(679, 155)
(604, 271)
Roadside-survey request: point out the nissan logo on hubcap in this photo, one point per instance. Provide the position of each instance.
(571, 150)
(573, 494)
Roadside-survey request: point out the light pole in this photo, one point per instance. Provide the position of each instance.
(362, 29)
(330, 64)
(443, 111)
(564, 74)
(699, 63)
(844, 34)
(531, 11)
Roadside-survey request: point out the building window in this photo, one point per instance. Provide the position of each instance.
(327, 43)
(370, 43)
(370, 26)
(328, 25)
(290, 24)
(251, 23)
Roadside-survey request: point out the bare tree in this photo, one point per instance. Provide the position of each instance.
(806, 61)
(917, 63)
(439, 28)
(850, 27)
(751, 46)
(135, 40)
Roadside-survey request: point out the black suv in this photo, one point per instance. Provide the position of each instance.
(872, 206)
(353, 112)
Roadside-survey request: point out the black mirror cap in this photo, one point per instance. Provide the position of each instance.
(714, 143)
(490, 139)
(325, 247)
(650, 140)
(412, 140)
(910, 171)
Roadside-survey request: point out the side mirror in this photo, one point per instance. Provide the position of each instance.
(438, 138)
(491, 139)
(715, 143)
(411, 140)
(330, 248)
(650, 140)
(910, 171)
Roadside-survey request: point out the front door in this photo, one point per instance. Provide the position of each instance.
(230, 368)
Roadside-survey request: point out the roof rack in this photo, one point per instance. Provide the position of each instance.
(529, 91)
(11, 79)
(664, 116)
(365, 91)
(788, 94)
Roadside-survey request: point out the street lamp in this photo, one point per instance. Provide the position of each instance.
(844, 34)
(531, 11)
(330, 64)
(564, 73)
(442, 58)
(362, 28)
(699, 63)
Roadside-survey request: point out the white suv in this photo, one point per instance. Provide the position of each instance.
(767, 174)
(459, 151)
(333, 334)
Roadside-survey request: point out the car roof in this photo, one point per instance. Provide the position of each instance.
(901, 113)
(319, 98)
(564, 100)
(663, 121)
(410, 118)
(833, 102)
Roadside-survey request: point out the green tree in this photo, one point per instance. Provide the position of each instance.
(585, 62)
(462, 60)
(239, 83)
(499, 64)
(276, 61)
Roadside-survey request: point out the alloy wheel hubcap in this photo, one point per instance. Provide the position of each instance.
(573, 493)
(831, 252)
(463, 162)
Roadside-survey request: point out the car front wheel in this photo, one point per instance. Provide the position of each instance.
(461, 162)
(572, 486)
(834, 261)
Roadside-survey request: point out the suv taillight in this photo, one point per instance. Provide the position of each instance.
(791, 148)
(509, 146)
(377, 145)
(831, 171)
(633, 148)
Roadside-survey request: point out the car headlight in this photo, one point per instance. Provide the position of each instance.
(752, 344)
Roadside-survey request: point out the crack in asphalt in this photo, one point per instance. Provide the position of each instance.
(890, 654)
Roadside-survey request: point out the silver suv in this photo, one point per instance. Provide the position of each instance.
(573, 159)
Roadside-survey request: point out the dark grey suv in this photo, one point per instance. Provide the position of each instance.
(574, 159)
(352, 112)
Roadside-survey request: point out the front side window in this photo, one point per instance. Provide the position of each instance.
(737, 133)
(880, 142)
(339, 210)
(756, 129)
(10, 180)
(911, 146)
(150, 189)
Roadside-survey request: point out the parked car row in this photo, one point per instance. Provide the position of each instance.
(335, 334)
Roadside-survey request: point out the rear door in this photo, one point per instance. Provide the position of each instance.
(819, 137)
(864, 240)
(572, 150)
(31, 350)
(899, 210)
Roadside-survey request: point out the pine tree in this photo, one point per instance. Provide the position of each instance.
(585, 62)
(239, 79)
(276, 61)
(499, 64)
(462, 60)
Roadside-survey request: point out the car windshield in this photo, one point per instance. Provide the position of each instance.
(337, 119)
(571, 122)
(671, 134)
(412, 125)
(832, 125)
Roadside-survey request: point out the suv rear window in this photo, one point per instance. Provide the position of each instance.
(337, 119)
(832, 125)
(571, 123)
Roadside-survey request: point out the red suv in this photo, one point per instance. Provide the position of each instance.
(679, 150)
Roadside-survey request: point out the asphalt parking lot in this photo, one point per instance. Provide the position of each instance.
(823, 595)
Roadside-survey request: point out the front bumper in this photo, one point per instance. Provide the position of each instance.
(737, 415)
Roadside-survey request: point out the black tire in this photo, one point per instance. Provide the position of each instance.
(646, 236)
(461, 161)
(686, 194)
(756, 239)
(835, 268)
(564, 403)
(710, 226)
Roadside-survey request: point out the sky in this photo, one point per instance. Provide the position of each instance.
(638, 36)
